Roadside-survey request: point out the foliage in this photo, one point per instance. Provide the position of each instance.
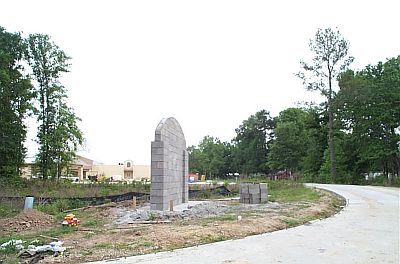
(316, 138)
(210, 158)
(15, 103)
(289, 146)
(58, 134)
(250, 144)
(60, 206)
(330, 59)
(368, 105)
(65, 189)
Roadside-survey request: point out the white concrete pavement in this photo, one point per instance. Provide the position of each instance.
(365, 231)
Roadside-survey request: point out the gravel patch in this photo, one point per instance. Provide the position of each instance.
(201, 210)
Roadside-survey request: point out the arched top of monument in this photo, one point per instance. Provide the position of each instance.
(169, 127)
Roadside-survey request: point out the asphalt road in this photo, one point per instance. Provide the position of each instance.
(365, 231)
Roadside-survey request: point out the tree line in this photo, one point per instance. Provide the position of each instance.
(30, 72)
(355, 132)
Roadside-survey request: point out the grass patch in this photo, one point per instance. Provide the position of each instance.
(145, 244)
(290, 191)
(87, 252)
(226, 217)
(123, 246)
(65, 189)
(104, 246)
(213, 238)
(60, 205)
(8, 210)
(92, 223)
(247, 214)
(208, 220)
(59, 231)
(291, 222)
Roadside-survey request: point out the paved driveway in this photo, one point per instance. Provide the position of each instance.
(366, 231)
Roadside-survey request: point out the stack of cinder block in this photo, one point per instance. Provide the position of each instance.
(253, 193)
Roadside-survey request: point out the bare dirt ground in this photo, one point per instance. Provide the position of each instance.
(113, 239)
(27, 220)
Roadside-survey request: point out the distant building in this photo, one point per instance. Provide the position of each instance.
(193, 177)
(81, 167)
(84, 168)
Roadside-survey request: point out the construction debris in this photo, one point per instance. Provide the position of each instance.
(16, 243)
(55, 247)
(144, 215)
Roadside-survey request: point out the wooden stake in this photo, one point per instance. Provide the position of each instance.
(134, 202)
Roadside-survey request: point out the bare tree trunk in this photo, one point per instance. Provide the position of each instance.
(331, 144)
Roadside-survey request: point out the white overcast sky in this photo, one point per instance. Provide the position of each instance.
(209, 64)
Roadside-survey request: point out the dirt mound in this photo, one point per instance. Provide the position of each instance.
(28, 219)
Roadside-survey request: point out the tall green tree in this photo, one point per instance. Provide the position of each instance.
(58, 135)
(316, 138)
(15, 103)
(330, 59)
(368, 105)
(289, 146)
(209, 158)
(67, 137)
(250, 144)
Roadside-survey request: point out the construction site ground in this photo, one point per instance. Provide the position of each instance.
(102, 234)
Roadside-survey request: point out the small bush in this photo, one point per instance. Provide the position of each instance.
(60, 205)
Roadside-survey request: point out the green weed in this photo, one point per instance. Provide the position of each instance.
(291, 222)
(92, 223)
(226, 217)
(213, 238)
(8, 210)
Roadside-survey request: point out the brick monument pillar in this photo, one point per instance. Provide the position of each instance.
(169, 166)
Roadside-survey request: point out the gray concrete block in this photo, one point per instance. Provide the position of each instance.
(245, 195)
(254, 189)
(244, 188)
(157, 164)
(253, 193)
(158, 185)
(157, 145)
(157, 157)
(157, 175)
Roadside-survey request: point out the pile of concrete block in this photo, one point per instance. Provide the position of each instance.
(253, 193)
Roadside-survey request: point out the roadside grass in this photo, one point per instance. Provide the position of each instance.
(291, 222)
(291, 191)
(115, 246)
(208, 220)
(383, 181)
(211, 238)
(66, 189)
